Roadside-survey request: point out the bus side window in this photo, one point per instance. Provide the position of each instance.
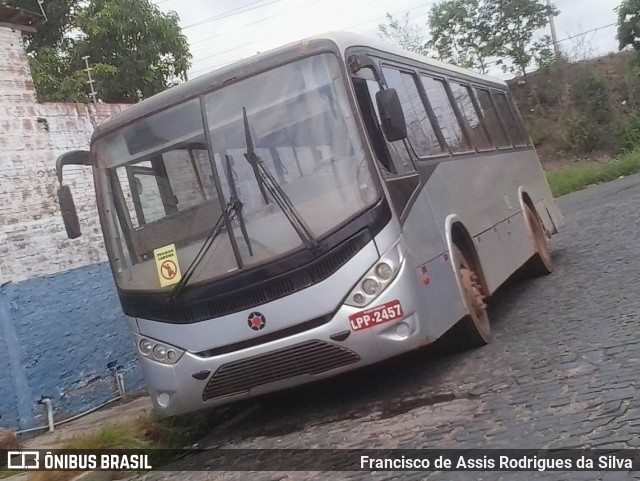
(394, 157)
(462, 97)
(420, 132)
(492, 119)
(398, 171)
(147, 197)
(443, 110)
(365, 94)
(142, 192)
(510, 122)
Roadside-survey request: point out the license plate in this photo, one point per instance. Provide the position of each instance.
(376, 315)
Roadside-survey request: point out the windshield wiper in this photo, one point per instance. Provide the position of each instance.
(280, 197)
(213, 234)
(237, 203)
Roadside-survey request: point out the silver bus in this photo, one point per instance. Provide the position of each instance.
(310, 211)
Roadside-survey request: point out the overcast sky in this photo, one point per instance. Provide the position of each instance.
(221, 32)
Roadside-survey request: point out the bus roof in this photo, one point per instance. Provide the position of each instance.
(345, 40)
(228, 73)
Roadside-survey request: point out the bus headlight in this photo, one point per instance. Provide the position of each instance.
(377, 278)
(146, 347)
(359, 298)
(158, 351)
(384, 271)
(370, 286)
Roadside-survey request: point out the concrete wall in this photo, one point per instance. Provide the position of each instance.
(60, 321)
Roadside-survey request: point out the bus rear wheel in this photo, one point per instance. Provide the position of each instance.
(541, 263)
(474, 329)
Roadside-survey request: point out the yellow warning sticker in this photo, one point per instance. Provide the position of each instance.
(167, 265)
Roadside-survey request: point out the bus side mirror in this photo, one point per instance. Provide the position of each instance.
(69, 212)
(391, 115)
(65, 198)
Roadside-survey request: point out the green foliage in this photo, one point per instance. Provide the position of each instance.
(134, 49)
(570, 179)
(589, 94)
(581, 134)
(52, 33)
(513, 23)
(538, 137)
(460, 34)
(164, 438)
(629, 24)
(468, 32)
(626, 132)
(406, 36)
(543, 54)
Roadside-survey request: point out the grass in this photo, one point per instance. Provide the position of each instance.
(144, 433)
(9, 474)
(569, 179)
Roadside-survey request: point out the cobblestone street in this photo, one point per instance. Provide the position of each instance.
(561, 371)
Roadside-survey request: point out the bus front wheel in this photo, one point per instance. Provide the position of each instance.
(474, 329)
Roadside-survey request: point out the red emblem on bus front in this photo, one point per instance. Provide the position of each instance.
(256, 321)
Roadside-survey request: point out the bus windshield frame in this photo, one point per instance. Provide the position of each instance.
(164, 180)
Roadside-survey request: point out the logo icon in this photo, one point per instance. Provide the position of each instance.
(23, 460)
(256, 321)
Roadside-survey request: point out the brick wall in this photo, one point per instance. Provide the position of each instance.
(60, 319)
(33, 241)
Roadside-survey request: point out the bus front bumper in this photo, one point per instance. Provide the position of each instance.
(348, 341)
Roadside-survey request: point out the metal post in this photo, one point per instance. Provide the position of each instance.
(554, 36)
(118, 375)
(120, 381)
(90, 81)
(48, 402)
(44, 14)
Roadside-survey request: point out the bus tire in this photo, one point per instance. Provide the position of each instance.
(473, 330)
(540, 263)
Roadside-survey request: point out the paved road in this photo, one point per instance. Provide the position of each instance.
(562, 370)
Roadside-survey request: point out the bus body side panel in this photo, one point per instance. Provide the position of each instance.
(438, 298)
(483, 193)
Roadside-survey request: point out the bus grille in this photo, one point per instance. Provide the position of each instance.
(310, 357)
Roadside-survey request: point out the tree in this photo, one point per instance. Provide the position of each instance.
(460, 34)
(406, 36)
(135, 50)
(629, 24)
(59, 22)
(513, 24)
(470, 32)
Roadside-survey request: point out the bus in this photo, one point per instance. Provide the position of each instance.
(309, 211)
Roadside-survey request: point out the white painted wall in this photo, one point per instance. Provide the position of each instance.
(33, 241)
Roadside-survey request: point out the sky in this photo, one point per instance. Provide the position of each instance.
(224, 31)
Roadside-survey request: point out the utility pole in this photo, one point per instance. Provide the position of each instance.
(554, 36)
(90, 81)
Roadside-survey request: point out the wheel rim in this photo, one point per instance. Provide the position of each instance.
(473, 290)
(539, 237)
(474, 294)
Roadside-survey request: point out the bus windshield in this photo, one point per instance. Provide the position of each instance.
(169, 178)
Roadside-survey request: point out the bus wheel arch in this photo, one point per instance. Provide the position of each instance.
(540, 262)
(474, 329)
